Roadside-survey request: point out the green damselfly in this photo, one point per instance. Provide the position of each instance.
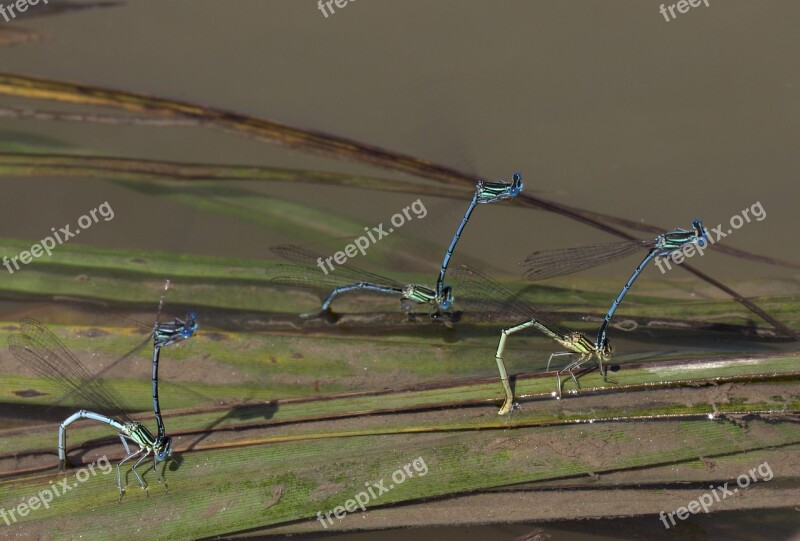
(491, 300)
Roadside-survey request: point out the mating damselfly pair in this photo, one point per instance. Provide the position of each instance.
(462, 288)
(473, 289)
(38, 348)
(303, 271)
(490, 298)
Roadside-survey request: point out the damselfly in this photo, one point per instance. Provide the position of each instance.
(348, 278)
(491, 300)
(37, 347)
(485, 192)
(304, 272)
(153, 329)
(551, 263)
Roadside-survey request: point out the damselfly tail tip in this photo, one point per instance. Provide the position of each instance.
(164, 450)
(604, 350)
(325, 314)
(446, 301)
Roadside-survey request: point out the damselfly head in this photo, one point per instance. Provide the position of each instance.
(190, 328)
(164, 450)
(702, 235)
(516, 184)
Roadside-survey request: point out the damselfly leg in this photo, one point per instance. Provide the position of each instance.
(309, 269)
(545, 264)
(571, 367)
(128, 457)
(303, 272)
(491, 300)
(38, 348)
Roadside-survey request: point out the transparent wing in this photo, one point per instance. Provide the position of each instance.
(561, 262)
(103, 311)
(99, 375)
(305, 271)
(490, 300)
(37, 347)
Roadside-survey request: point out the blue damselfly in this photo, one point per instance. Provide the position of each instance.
(545, 264)
(348, 278)
(303, 272)
(38, 348)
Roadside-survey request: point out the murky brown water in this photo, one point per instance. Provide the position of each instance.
(606, 106)
(601, 105)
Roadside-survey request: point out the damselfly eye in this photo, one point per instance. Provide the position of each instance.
(517, 178)
(517, 185)
(190, 328)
